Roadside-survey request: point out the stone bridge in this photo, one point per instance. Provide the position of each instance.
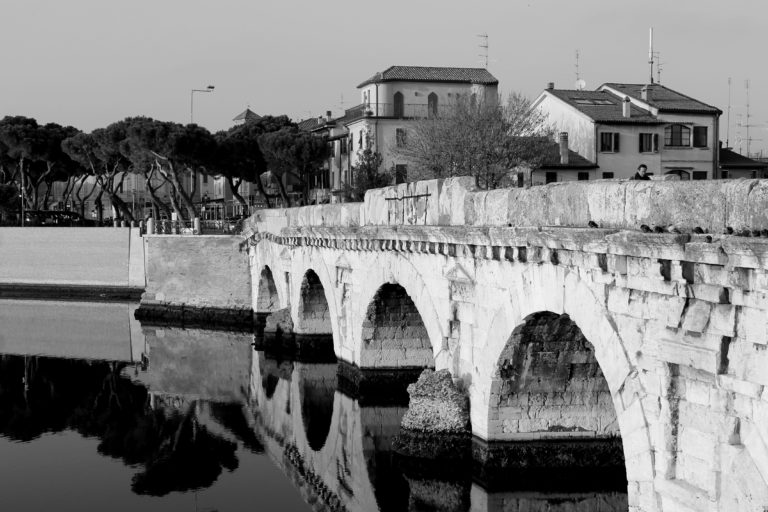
(568, 311)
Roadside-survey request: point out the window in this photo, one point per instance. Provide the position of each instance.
(401, 173)
(343, 146)
(550, 177)
(432, 105)
(607, 175)
(609, 142)
(699, 136)
(399, 106)
(351, 143)
(583, 176)
(400, 138)
(649, 143)
(699, 175)
(205, 178)
(724, 174)
(677, 135)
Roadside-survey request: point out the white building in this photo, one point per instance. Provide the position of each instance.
(390, 100)
(620, 126)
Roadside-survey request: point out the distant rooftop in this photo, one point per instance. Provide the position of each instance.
(247, 115)
(603, 107)
(310, 124)
(432, 74)
(729, 159)
(664, 98)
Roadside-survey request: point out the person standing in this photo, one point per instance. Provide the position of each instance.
(641, 173)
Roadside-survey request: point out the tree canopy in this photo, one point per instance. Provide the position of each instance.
(483, 139)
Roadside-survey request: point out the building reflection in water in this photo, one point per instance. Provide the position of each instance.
(181, 406)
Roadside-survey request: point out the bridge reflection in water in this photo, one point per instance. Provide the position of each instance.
(185, 409)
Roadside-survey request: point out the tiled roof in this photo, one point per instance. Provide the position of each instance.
(432, 74)
(247, 115)
(603, 107)
(575, 160)
(665, 99)
(732, 160)
(310, 124)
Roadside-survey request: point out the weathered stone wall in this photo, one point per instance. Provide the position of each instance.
(394, 335)
(197, 271)
(549, 384)
(677, 322)
(712, 205)
(72, 256)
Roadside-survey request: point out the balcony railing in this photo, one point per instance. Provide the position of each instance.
(393, 110)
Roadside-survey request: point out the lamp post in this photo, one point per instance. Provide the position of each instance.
(192, 101)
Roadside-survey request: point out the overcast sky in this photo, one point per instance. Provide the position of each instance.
(91, 62)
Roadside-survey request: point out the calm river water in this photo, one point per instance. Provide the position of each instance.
(99, 412)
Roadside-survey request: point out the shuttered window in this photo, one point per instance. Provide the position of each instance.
(699, 136)
(609, 142)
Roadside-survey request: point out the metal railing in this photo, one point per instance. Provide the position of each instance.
(396, 110)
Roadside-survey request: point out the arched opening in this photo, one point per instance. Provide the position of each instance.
(399, 106)
(267, 299)
(432, 105)
(551, 402)
(318, 384)
(548, 385)
(394, 335)
(314, 316)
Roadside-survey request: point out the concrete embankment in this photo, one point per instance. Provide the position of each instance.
(71, 263)
(197, 280)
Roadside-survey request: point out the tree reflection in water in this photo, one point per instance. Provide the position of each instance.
(44, 395)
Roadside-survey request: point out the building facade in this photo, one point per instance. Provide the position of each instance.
(620, 126)
(390, 101)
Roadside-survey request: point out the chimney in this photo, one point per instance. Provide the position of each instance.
(645, 93)
(626, 109)
(564, 148)
(328, 116)
(550, 86)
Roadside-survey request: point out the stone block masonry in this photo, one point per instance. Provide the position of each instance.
(197, 278)
(666, 333)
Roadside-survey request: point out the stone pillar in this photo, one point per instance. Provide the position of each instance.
(150, 226)
(196, 226)
(436, 425)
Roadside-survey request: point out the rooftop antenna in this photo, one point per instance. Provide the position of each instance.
(577, 65)
(650, 52)
(728, 117)
(341, 101)
(657, 56)
(580, 84)
(484, 46)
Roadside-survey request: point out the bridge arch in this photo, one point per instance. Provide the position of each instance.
(394, 334)
(313, 315)
(405, 282)
(267, 298)
(316, 286)
(558, 292)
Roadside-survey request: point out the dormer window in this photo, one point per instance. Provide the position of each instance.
(677, 135)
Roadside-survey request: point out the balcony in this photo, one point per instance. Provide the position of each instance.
(389, 110)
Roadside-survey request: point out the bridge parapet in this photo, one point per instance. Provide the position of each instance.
(711, 205)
